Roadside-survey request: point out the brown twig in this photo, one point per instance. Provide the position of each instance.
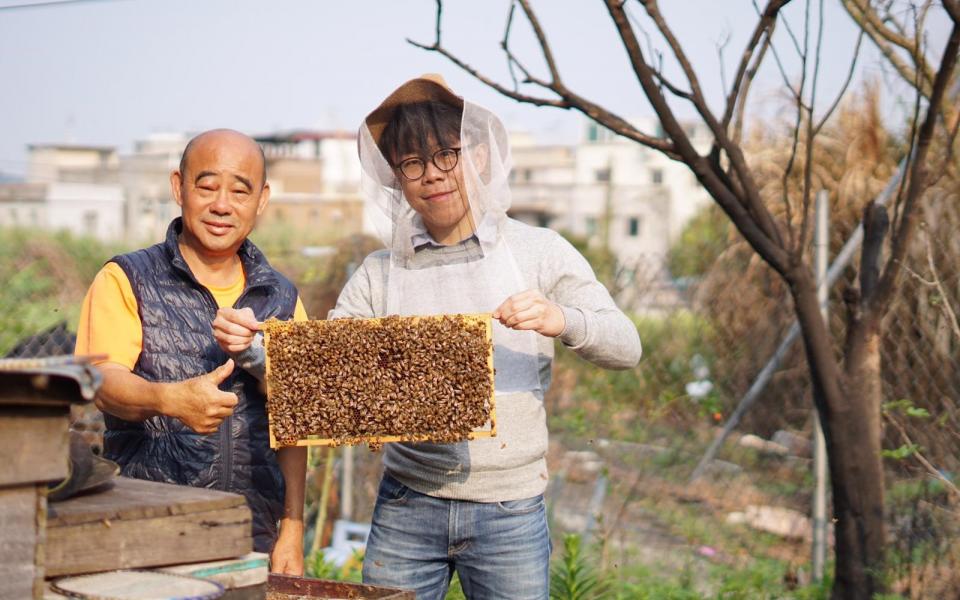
(811, 133)
(843, 88)
(932, 470)
(918, 172)
(754, 222)
(745, 90)
(752, 201)
(795, 245)
(741, 82)
(935, 282)
(567, 98)
(886, 40)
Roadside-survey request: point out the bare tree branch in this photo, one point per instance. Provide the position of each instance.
(542, 40)
(793, 38)
(757, 223)
(567, 98)
(936, 283)
(953, 9)
(795, 243)
(950, 143)
(780, 67)
(658, 70)
(741, 102)
(538, 101)
(918, 175)
(843, 88)
(931, 470)
(721, 45)
(914, 132)
(886, 40)
(753, 202)
(741, 81)
(505, 46)
(811, 133)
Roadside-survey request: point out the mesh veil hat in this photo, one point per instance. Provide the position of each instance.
(430, 86)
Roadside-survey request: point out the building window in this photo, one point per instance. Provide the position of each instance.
(602, 175)
(527, 175)
(543, 220)
(633, 226)
(90, 223)
(593, 133)
(656, 176)
(591, 226)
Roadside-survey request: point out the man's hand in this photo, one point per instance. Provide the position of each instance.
(529, 310)
(287, 555)
(199, 402)
(234, 329)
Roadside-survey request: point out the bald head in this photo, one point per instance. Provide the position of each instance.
(223, 138)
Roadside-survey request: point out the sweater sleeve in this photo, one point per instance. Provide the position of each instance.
(595, 328)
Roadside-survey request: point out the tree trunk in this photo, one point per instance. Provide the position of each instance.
(849, 406)
(858, 507)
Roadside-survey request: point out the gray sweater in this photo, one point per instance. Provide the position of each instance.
(510, 466)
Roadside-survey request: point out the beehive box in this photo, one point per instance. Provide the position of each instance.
(350, 381)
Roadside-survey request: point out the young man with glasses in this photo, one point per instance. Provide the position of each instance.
(438, 166)
(175, 408)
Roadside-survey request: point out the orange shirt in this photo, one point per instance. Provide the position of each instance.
(110, 322)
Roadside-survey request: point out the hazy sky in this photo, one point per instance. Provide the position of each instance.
(111, 71)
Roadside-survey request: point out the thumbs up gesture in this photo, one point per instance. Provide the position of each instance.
(199, 402)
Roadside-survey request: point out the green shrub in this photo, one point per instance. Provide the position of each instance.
(45, 277)
(573, 577)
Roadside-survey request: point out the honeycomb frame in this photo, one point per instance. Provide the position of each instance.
(274, 329)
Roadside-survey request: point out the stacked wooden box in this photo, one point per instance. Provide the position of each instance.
(35, 399)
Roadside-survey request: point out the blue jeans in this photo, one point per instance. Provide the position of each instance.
(498, 549)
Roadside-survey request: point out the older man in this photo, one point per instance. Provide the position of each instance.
(176, 408)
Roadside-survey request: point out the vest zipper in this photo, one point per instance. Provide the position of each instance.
(226, 450)
(226, 428)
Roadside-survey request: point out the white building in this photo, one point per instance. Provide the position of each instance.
(314, 183)
(608, 189)
(145, 177)
(68, 187)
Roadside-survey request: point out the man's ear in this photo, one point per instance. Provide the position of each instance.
(264, 198)
(176, 186)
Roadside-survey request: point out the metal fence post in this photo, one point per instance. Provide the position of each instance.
(822, 251)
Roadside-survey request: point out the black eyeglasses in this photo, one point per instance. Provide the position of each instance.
(444, 159)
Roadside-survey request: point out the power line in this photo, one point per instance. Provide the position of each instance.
(47, 3)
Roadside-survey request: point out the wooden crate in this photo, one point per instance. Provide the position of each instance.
(22, 511)
(285, 587)
(34, 444)
(490, 431)
(35, 400)
(138, 524)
